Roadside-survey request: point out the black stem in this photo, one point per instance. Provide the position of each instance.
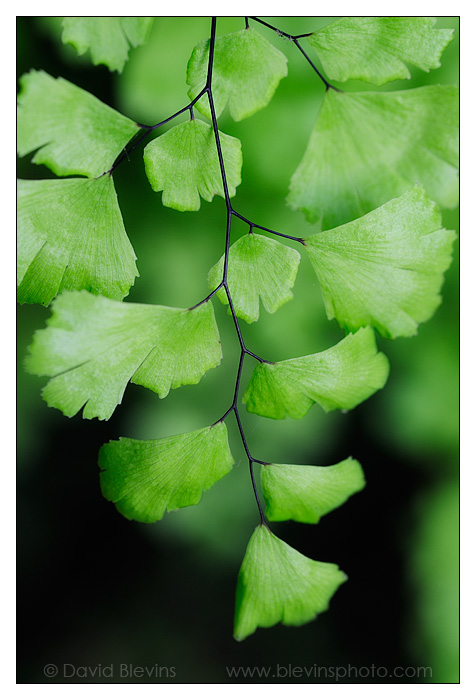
(224, 282)
(149, 129)
(275, 29)
(294, 38)
(127, 151)
(208, 90)
(203, 301)
(251, 459)
(326, 82)
(235, 319)
(255, 491)
(263, 228)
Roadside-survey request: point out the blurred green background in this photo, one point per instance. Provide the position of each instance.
(94, 588)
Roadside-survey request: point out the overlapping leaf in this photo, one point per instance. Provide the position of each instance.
(341, 377)
(184, 163)
(258, 267)
(367, 148)
(75, 133)
(306, 493)
(278, 584)
(375, 49)
(247, 70)
(108, 38)
(71, 236)
(94, 346)
(146, 478)
(386, 268)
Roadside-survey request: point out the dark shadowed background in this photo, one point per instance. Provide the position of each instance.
(95, 590)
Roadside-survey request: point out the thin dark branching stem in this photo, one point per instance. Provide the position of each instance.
(244, 349)
(275, 29)
(149, 129)
(176, 114)
(295, 39)
(255, 490)
(203, 301)
(326, 82)
(237, 385)
(263, 228)
(208, 89)
(224, 283)
(251, 460)
(229, 213)
(235, 319)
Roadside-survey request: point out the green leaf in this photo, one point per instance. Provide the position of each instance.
(341, 377)
(71, 236)
(108, 38)
(385, 269)
(75, 133)
(374, 48)
(94, 346)
(246, 72)
(306, 493)
(146, 478)
(367, 148)
(257, 267)
(278, 584)
(183, 163)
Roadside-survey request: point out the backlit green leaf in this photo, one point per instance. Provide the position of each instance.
(385, 269)
(306, 493)
(375, 49)
(108, 38)
(341, 377)
(146, 478)
(247, 70)
(75, 133)
(258, 267)
(367, 148)
(278, 584)
(183, 163)
(71, 236)
(94, 346)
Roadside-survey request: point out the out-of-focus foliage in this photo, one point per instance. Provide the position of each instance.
(434, 562)
(369, 147)
(107, 38)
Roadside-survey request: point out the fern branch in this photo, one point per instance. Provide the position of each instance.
(230, 213)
